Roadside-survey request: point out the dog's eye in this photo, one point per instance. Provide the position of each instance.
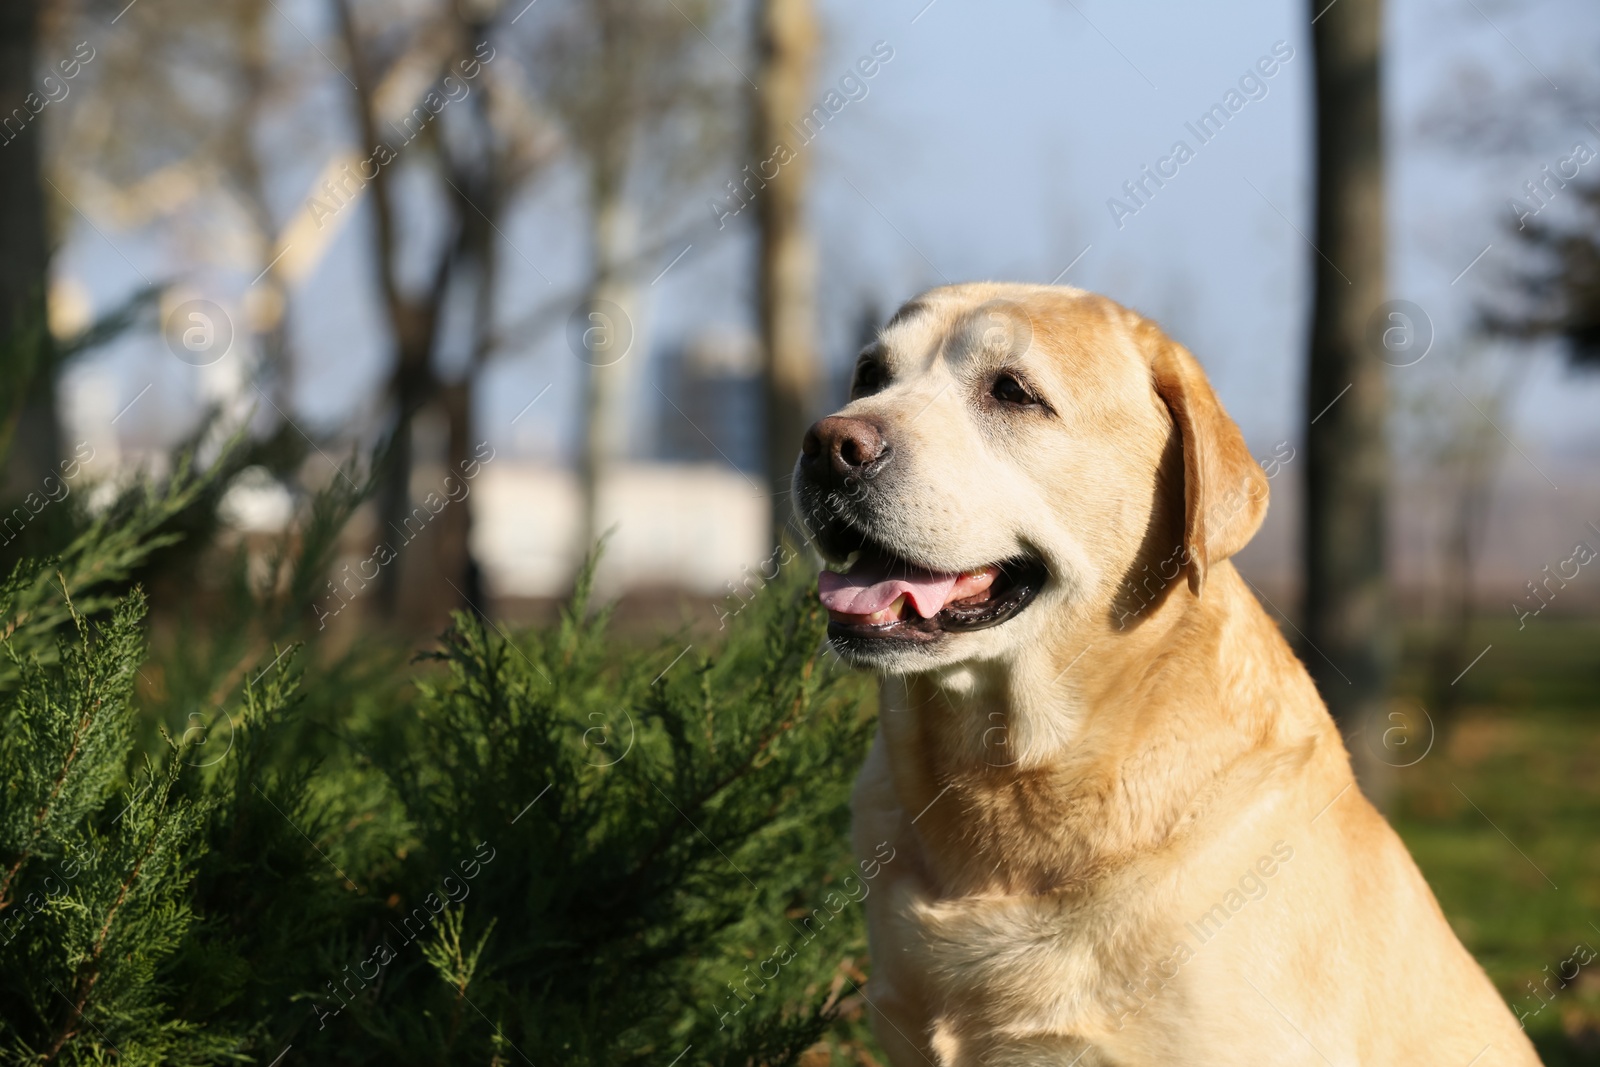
(870, 377)
(1008, 390)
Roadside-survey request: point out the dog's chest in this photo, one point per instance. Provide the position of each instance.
(1042, 971)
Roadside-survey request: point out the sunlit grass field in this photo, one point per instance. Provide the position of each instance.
(1502, 817)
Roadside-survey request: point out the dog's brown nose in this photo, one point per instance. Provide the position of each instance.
(846, 446)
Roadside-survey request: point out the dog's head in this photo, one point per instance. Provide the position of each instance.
(1012, 455)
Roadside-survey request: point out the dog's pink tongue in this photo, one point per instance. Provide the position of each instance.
(869, 588)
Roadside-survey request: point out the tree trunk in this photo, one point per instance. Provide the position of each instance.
(480, 182)
(413, 383)
(788, 258)
(28, 420)
(1467, 520)
(1349, 623)
(411, 386)
(268, 320)
(607, 343)
(453, 554)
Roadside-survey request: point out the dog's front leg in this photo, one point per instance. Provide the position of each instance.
(887, 854)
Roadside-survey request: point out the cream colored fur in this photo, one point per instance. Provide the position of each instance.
(1074, 794)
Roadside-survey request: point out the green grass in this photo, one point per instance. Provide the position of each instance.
(1502, 816)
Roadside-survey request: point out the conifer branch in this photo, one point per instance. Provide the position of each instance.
(91, 706)
(86, 977)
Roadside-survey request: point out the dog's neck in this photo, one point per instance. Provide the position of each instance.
(1079, 755)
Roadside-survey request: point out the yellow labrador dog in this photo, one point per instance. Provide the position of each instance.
(1121, 825)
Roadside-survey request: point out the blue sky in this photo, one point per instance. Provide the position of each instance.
(988, 147)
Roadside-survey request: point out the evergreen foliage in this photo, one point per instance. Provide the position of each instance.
(551, 846)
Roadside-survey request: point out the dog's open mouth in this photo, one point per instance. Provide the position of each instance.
(885, 596)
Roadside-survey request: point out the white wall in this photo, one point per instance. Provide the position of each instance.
(681, 526)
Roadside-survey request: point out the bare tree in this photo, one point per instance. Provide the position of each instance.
(1444, 426)
(154, 132)
(788, 254)
(639, 101)
(412, 316)
(1556, 292)
(1348, 621)
(1550, 291)
(150, 150)
(244, 160)
(480, 165)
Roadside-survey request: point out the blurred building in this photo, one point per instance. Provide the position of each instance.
(711, 408)
(685, 527)
(686, 519)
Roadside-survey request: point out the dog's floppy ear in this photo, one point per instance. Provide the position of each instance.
(1224, 489)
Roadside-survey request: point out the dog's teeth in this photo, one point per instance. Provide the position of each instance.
(892, 613)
